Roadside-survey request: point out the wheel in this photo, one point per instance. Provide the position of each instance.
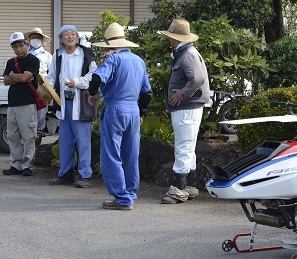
(229, 111)
(227, 245)
(294, 256)
(228, 129)
(3, 135)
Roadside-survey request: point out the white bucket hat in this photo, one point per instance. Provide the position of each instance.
(180, 30)
(46, 39)
(114, 37)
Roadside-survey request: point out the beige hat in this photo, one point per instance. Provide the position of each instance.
(180, 30)
(46, 39)
(114, 37)
(45, 91)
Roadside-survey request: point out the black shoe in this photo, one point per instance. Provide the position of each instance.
(60, 180)
(27, 172)
(67, 178)
(113, 205)
(83, 183)
(12, 171)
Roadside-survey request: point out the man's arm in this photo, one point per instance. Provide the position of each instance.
(144, 101)
(24, 77)
(94, 84)
(8, 80)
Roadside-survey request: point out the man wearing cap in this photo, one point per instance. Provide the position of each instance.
(124, 84)
(188, 90)
(37, 40)
(21, 112)
(71, 70)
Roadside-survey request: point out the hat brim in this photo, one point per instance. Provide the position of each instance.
(42, 81)
(121, 43)
(46, 39)
(180, 37)
(17, 41)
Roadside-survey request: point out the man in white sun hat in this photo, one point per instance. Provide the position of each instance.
(188, 90)
(124, 84)
(37, 40)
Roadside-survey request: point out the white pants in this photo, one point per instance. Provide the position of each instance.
(186, 125)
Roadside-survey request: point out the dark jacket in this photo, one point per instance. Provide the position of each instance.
(189, 75)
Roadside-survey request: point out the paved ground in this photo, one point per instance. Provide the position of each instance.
(43, 221)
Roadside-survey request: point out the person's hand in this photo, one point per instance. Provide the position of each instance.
(70, 83)
(175, 99)
(31, 79)
(92, 99)
(141, 120)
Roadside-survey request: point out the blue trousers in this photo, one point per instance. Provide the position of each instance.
(119, 151)
(72, 134)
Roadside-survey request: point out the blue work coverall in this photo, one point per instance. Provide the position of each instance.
(124, 79)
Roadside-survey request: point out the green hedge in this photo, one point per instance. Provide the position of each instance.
(252, 135)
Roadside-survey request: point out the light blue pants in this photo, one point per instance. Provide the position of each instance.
(72, 134)
(119, 151)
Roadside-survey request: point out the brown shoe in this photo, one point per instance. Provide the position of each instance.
(113, 205)
(12, 171)
(83, 183)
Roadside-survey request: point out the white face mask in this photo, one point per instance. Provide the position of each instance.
(35, 43)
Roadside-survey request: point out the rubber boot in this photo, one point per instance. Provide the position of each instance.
(177, 191)
(191, 187)
(67, 178)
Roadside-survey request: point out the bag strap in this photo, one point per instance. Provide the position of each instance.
(18, 69)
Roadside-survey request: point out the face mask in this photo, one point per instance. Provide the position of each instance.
(35, 43)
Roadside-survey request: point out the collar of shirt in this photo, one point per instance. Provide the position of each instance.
(181, 44)
(36, 51)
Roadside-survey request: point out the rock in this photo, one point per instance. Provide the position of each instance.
(153, 155)
(164, 177)
(206, 153)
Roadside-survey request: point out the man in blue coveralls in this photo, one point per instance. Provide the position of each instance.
(125, 87)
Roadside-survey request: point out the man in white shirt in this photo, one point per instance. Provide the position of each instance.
(70, 72)
(37, 40)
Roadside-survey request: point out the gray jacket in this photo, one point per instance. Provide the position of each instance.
(189, 74)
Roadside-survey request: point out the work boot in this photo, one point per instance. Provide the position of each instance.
(191, 187)
(11, 171)
(67, 178)
(177, 192)
(83, 183)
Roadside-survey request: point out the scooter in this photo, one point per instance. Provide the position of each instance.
(265, 183)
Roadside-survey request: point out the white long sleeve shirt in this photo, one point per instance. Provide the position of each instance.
(44, 57)
(71, 68)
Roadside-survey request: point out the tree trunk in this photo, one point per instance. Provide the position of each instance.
(275, 29)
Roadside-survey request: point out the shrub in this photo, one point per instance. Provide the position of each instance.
(268, 103)
(282, 56)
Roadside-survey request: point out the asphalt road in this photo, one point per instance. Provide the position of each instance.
(43, 221)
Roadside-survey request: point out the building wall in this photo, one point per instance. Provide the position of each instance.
(21, 16)
(49, 15)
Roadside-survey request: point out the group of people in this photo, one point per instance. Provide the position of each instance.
(125, 87)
